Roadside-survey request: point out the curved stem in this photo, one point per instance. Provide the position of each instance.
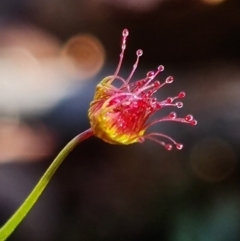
(23, 210)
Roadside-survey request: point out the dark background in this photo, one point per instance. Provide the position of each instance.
(136, 192)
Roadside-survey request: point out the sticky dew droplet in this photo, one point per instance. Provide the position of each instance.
(139, 52)
(182, 94)
(168, 147)
(169, 79)
(160, 68)
(150, 74)
(125, 33)
(179, 146)
(172, 115)
(179, 104)
(189, 118)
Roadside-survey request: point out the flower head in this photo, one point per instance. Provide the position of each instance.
(120, 115)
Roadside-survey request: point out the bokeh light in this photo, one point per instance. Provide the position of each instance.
(213, 2)
(86, 53)
(135, 5)
(40, 43)
(213, 159)
(33, 74)
(20, 142)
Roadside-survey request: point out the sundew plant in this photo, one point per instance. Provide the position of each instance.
(118, 115)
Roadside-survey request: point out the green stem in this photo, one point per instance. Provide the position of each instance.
(23, 210)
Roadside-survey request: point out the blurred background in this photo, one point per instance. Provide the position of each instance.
(52, 55)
